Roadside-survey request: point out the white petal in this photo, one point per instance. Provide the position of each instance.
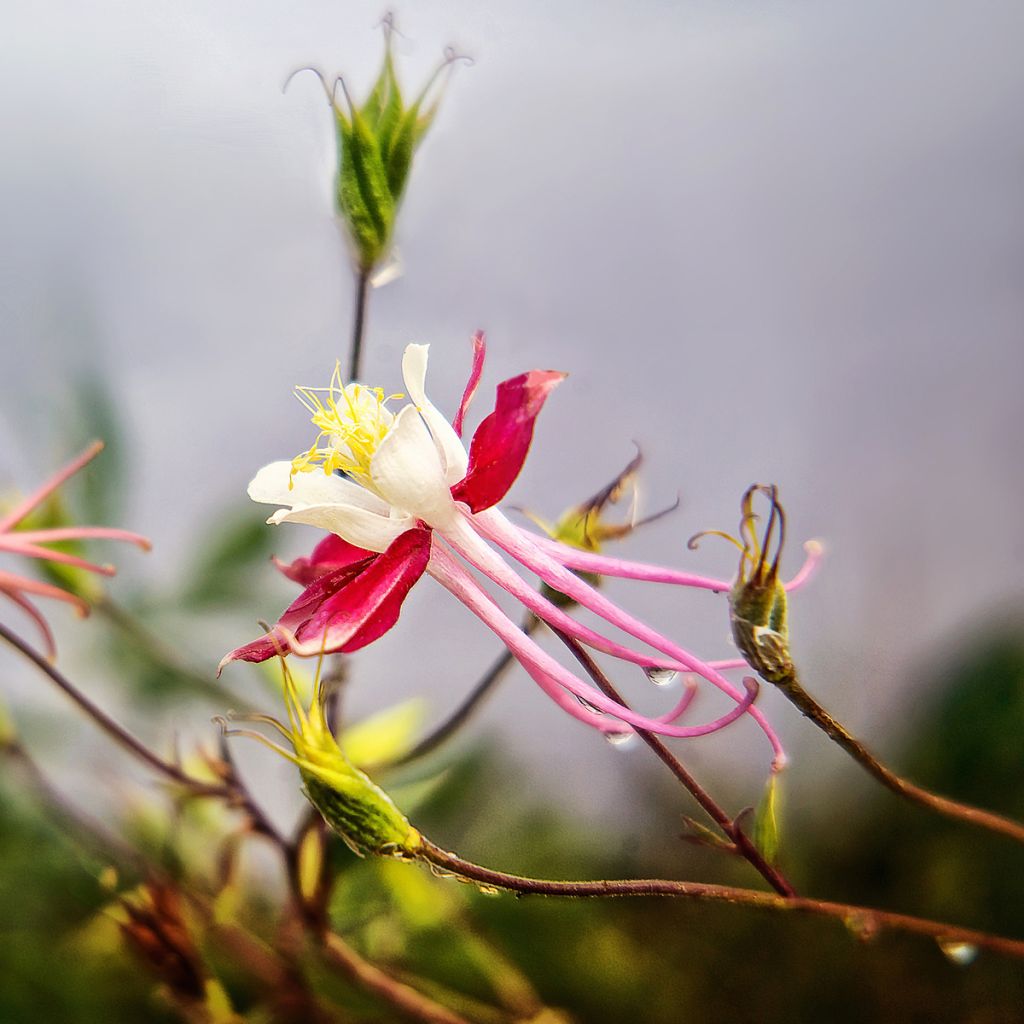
(274, 485)
(453, 453)
(358, 526)
(407, 472)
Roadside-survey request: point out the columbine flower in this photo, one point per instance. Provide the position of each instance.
(31, 544)
(412, 500)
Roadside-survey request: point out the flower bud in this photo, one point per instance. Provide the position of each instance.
(355, 807)
(376, 143)
(757, 602)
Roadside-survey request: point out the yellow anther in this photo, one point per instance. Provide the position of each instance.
(353, 420)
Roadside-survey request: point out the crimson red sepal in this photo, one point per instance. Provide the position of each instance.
(331, 553)
(499, 446)
(479, 351)
(348, 607)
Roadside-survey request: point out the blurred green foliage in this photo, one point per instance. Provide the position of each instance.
(610, 961)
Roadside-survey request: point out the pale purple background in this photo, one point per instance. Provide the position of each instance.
(775, 241)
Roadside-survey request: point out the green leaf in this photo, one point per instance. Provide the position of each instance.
(241, 544)
(384, 736)
(766, 820)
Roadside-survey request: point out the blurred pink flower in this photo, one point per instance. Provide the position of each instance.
(30, 543)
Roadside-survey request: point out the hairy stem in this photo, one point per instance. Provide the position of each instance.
(840, 735)
(864, 921)
(741, 842)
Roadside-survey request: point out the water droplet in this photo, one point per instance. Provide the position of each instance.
(620, 740)
(590, 707)
(661, 676)
(960, 953)
(862, 924)
(488, 890)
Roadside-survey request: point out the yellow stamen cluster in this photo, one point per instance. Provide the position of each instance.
(353, 420)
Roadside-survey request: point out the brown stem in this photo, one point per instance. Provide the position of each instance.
(70, 820)
(206, 686)
(465, 710)
(741, 842)
(406, 1000)
(865, 921)
(840, 735)
(112, 728)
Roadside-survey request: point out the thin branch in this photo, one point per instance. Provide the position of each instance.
(69, 818)
(113, 729)
(165, 655)
(400, 996)
(466, 709)
(865, 921)
(741, 842)
(358, 324)
(840, 735)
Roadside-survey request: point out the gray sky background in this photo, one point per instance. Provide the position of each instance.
(773, 241)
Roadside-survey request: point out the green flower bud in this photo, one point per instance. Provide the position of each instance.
(376, 144)
(353, 805)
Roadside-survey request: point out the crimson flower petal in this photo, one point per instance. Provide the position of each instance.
(479, 351)
(346, 608)
(331, 553)
(500, 444)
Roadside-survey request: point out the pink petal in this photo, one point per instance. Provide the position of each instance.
(348, 607)
(500, 444)
(9, 582)
(479, 351)
(331, 553)
(519, 544)
(365, 610)
(815, 551)
(23, 508)
(62, 533)
(17, 545)
(586, 561)
(552, 676)
(37, 616)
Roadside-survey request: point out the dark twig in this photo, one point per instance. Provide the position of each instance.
(113, 729)
(840, 735)
(741, 842)
(355, 356)
(465, 710)
(864, 921)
